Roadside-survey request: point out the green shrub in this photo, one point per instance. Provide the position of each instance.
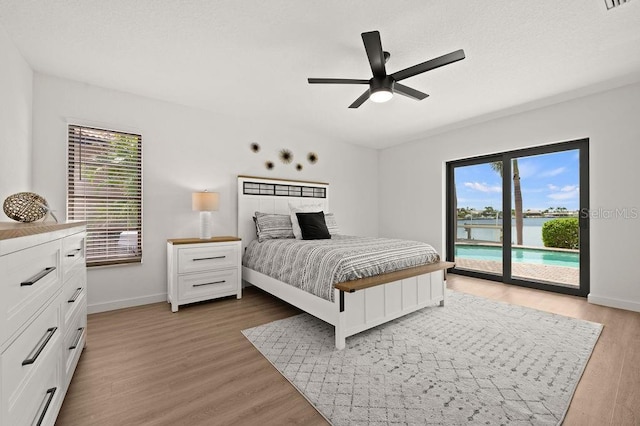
(561, 233)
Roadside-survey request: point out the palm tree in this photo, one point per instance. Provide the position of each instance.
(517, 195)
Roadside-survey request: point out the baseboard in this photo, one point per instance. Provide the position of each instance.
(614, 303)
(125, 303)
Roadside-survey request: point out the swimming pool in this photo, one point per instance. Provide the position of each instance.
(519, 255)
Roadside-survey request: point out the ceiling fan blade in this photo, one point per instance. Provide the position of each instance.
(409, 92)
(336, 81)
(360, 100)
(373, 46)
(447, 59)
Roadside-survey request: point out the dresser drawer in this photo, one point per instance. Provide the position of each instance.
(30, 278)
(195, 259)
(73, 254)
(74, 296)
(30, 352)
(207, 285)
(39, 400)
(73, 343)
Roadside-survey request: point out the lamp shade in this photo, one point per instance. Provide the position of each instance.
(204, 201)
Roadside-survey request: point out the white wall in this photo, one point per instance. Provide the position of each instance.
(16, 83)
(186, 150)
(412, 179)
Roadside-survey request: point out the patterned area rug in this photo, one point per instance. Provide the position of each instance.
(473, 361)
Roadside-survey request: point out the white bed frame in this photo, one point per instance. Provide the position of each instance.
(351, 312)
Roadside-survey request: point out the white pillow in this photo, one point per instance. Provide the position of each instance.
(307, 208)
(332, 225)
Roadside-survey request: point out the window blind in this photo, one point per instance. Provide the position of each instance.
(104, 188)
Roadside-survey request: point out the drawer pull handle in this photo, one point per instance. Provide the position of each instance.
(38, 276)
(75, 296)
(208, 258)
(35, 353)
(77, 339)
(215, 282)
(48, 398)
(73, 253)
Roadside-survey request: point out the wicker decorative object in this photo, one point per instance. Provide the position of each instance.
(25, 207)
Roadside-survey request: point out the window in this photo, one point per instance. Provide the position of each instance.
(104, 188)
(543, 239)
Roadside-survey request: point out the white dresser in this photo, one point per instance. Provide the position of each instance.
(43, 318)
(203, 269)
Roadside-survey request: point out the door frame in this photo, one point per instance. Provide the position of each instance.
(583, 218)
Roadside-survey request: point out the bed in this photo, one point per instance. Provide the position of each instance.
(354, 305)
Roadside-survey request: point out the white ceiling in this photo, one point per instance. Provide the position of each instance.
(252, 57)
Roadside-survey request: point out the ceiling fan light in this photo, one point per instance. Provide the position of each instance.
(380, 96)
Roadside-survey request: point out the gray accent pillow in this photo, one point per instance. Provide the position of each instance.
(270, 226)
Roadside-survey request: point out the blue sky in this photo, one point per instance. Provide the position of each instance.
(549, 180)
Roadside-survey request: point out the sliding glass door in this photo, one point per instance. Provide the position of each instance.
(477, 216)
(542, 241)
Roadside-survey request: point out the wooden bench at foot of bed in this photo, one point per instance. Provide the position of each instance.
(368, 302)
(362, 283)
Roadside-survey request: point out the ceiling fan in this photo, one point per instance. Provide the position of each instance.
(383, 86)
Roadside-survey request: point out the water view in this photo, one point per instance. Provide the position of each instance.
(531, 230)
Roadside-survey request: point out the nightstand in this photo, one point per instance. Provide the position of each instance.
(203, 269)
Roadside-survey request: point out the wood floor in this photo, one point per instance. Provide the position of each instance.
(148, 366)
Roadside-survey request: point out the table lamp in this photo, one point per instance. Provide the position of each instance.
(204, 202)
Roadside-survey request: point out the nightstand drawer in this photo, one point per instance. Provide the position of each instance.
(205, 285)
(196, 259)
(199, 270)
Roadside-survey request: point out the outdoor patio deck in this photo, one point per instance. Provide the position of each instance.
(559, 274)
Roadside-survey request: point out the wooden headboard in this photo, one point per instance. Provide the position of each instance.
(257, 194)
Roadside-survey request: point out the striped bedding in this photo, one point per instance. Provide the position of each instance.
(315, 265)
